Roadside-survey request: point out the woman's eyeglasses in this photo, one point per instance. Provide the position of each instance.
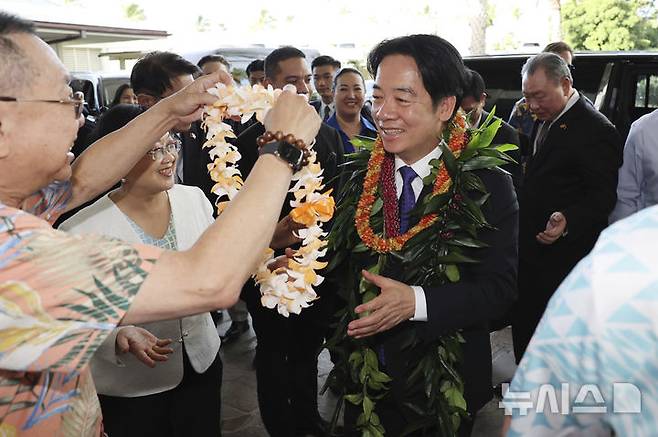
(169, 145)
(76, 99)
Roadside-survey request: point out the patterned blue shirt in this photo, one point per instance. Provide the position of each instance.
(594, 355)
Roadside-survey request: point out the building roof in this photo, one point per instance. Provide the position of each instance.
(52, 32)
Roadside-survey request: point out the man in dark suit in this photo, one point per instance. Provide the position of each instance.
(324, 68)
(287, 350)
(569, 188)
(475, 96)
(473, 102)
(418, 86)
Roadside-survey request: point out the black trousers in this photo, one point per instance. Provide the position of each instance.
(287, 364)
(190, 409)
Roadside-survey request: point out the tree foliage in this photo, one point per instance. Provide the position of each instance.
(610, 24)
(134, 12)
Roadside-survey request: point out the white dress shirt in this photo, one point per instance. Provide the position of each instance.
(638, 176)
(423, 169)
(323, 107)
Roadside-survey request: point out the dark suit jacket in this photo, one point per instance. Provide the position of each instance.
(575, 172)
(485, 291)
(196, 160)
(329, 148)
(508, 135)
(317, 104)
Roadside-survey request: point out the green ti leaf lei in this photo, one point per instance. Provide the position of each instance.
(430, 258)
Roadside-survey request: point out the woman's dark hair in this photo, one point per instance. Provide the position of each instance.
(346, 70)
(439, 63)
(114, 119)
(117, 96)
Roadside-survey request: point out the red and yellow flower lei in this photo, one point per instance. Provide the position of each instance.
(379, 160)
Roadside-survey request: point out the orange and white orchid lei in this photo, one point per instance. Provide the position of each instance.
(291, 288)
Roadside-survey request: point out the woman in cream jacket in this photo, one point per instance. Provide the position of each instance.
(161, 378)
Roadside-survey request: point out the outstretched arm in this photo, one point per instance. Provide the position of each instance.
(111, 157)
(211, 274)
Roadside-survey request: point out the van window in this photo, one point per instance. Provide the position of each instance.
(87, 88)
(646, 91)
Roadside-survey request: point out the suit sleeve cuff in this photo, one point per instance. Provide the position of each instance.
(420, 314)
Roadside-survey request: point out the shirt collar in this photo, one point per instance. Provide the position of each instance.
(366, 124)
(422, 166)
(572, 101)
(324, 105)
(477, 122)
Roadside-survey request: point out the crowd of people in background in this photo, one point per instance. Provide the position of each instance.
(127, 291)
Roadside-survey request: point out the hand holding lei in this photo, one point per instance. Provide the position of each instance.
(288, 289)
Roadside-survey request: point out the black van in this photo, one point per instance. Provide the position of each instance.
(622, 85)
(98, 88)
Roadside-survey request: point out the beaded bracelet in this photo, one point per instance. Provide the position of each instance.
(268, 137)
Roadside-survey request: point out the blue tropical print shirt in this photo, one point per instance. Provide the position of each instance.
(592, 365)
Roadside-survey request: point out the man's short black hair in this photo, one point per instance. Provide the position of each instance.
(16, 70)
(214, 58)
(325, 60)
(439, 63)
(257, 65)
(154, 73)
(279, 55)
(558, 47)
(474, 86)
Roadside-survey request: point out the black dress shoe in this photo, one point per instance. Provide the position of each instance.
(235, 331)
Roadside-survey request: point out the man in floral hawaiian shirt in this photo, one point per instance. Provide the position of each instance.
(61, 295)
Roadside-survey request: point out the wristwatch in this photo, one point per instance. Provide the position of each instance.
(286, 151)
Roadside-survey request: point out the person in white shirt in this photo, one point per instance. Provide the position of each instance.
(638, 176)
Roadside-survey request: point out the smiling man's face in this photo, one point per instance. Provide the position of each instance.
(409, 124)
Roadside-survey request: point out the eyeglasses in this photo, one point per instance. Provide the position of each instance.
(77, 99)
(167, 145)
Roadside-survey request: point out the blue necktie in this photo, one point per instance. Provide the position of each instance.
(405, 204)
(407, 198)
